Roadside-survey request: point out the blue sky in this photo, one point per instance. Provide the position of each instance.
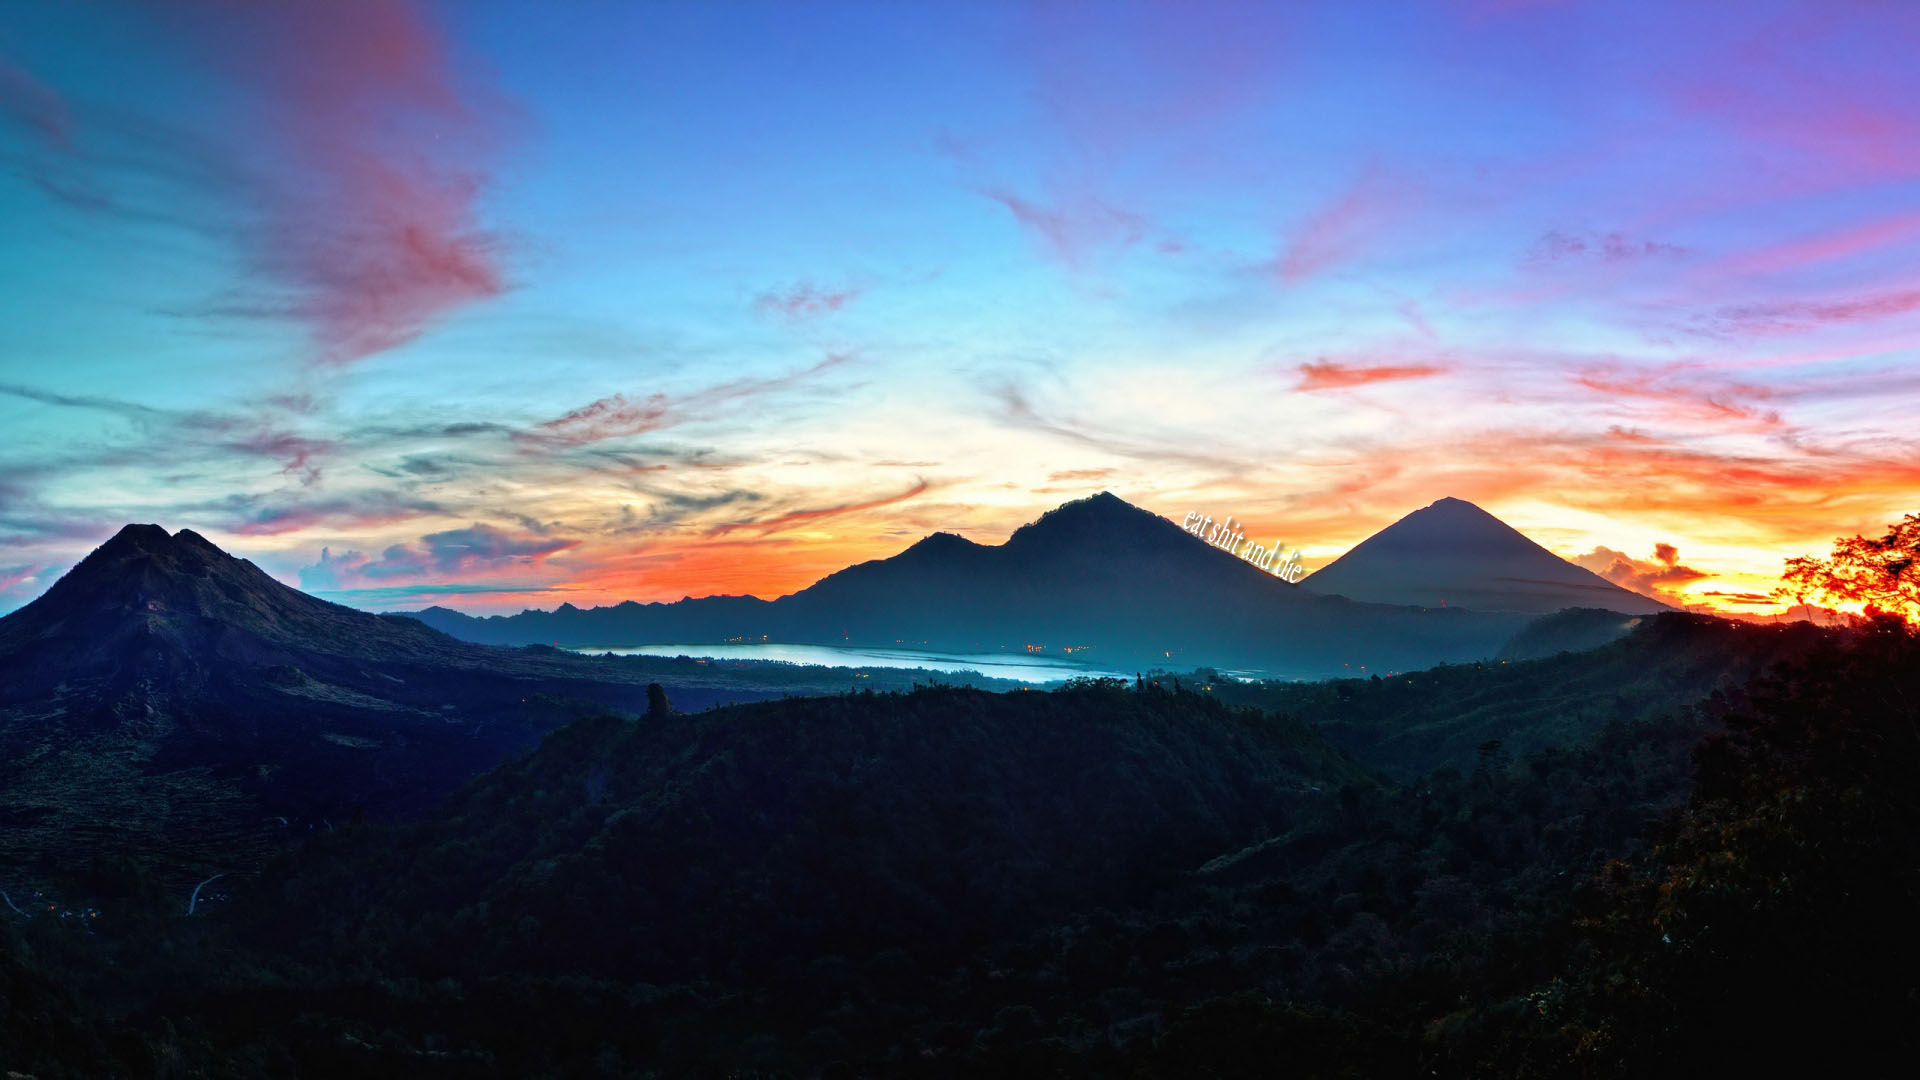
(502, 304)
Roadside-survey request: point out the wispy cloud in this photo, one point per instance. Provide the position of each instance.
(1330, 375)
(1556, 246)
(477, 550)
(1797, 316)
(350, 183)
(805, 300)
(1347, 226)
(34, 105)
(792, 518)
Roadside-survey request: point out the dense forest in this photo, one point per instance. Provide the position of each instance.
(1693, 849)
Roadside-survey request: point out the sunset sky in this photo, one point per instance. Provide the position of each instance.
(504, 305)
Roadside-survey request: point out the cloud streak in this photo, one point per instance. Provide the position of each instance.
(1330, 375)
(477, 550)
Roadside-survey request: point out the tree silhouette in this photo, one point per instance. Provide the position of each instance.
(1883, 574)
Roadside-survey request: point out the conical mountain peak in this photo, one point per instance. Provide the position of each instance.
(1452, 553)
(145, 577)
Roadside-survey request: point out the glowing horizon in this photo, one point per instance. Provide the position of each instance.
(473, 304)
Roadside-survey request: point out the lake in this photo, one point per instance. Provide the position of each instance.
(1021, 668)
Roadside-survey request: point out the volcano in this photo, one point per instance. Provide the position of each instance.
(1454, 554)
(168, 699)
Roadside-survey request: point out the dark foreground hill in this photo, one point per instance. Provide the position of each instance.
(1096, 572)
(167, 700)
(1450, 717)
(1099, 881)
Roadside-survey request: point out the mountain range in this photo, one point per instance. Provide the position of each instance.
(164, 689)
(1447, 583)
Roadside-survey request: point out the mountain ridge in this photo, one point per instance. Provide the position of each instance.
(1096, 571)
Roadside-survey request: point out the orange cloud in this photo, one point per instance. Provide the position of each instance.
(1329, 375)
(1674, 400)
(1652, 579)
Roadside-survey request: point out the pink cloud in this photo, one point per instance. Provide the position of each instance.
(371, 224)
(618, 416)
(1798, 316)
(1342, 229)
(13, 578)
(1828, 246)
(1072, 229)
(300, 453)
(805, 300)
(1330, 375)
(607, 418)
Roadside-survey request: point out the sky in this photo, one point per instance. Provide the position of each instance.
(507, 305)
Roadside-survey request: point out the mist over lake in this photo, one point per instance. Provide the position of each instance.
(1029, 669)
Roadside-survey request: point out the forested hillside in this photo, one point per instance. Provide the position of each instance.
(1103, 880)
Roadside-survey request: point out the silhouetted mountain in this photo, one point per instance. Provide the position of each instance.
(166, 698)
(1098, 572)
(1454, 554)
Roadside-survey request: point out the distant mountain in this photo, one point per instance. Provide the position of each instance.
(1098, 572)
(1454, 554)
(167, 699)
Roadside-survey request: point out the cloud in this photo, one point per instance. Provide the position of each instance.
(275, 514)
(416, 594)
(1797, 316)
(1555, 246)
(170, 435)
(617, 416)
(476, 550)
(1329, 375)
(15, 577)
(349, 174)
(1019, 412)
(798, 517)
(34, 105)
(668, 509)
(380, 236)
(1652, 579)
(804, 301)
(1340, 230)
(606, 418)
(1828, 246)
(1673, 399)
(1073, 229)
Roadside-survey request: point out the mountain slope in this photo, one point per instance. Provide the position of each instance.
(1409, 724)
(166, 699)
(741, 839)
(1454, 554)
(1099, 572)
